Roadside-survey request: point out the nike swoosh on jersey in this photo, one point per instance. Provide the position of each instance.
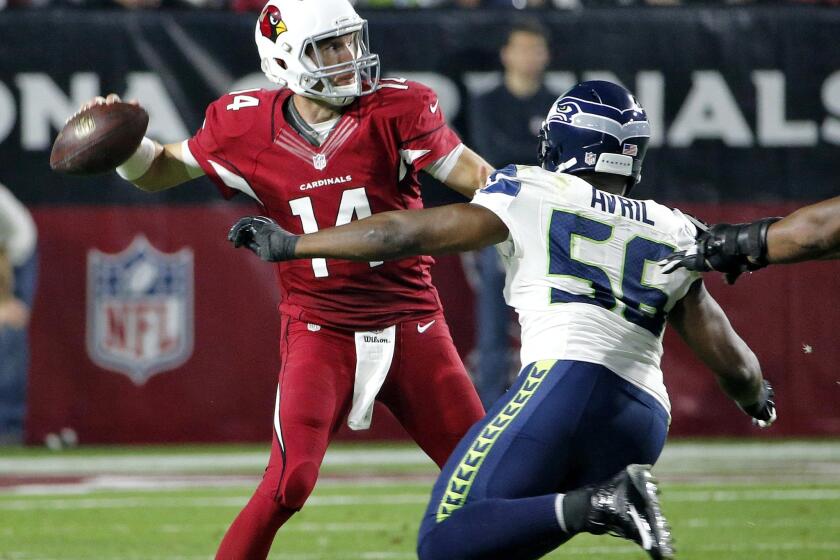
(423, 328)
(434, 108)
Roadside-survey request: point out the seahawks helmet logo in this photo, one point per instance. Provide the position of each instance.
(564, 111)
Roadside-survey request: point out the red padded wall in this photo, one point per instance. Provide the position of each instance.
(225, 390)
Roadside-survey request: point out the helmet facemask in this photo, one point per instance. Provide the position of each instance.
(318, 80)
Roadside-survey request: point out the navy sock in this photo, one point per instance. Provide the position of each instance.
(496, 529)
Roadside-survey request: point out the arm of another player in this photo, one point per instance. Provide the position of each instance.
(153, 167)
(810, 233)
(701, 322)
(388, 235)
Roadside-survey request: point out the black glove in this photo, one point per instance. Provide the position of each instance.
(763, 410)
(728, 248)
(264, 237)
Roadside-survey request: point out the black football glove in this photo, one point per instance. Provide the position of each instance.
(763, 411)
(728, 248)
(264, 237)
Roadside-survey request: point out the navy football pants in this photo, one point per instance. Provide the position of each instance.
(563, 425)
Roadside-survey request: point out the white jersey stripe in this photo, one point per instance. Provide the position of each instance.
(339, 138)
(234, 181)
(277, 428)
(304, 154)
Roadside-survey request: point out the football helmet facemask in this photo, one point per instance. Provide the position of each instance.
(287, 35)
(596, 126)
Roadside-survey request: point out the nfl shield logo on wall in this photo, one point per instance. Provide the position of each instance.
(319, 161)
(140, 309)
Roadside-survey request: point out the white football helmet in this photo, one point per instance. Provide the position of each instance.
(286, 28)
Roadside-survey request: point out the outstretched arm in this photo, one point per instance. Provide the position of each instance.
(388, 235)
(812, 232)
(704, 326)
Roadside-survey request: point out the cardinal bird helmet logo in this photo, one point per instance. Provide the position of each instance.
(271, 23)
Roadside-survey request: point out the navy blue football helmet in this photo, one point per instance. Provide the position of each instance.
(595, 126)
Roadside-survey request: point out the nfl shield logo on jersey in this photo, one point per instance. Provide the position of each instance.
(319, 161)
(140, 309)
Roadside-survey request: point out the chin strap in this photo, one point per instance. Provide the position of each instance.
(566, 164)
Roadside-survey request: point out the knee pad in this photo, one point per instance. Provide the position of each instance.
(297, 485)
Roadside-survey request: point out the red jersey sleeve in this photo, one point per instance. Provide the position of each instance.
(204, 148)
(218, 145)
(424, 136)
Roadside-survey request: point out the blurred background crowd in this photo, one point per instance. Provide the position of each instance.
(255, 5)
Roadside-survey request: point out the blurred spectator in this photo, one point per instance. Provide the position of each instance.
(18, 268)
(399, 3)
(23, 3)
(154, 4)
(138, 4)
(246, 5)
(503, 127)
(518, 4)
(127, 4)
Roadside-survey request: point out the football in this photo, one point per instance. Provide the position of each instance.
(98, 139)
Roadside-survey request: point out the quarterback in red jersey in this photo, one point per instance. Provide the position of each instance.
(368, 163)
(333, 144)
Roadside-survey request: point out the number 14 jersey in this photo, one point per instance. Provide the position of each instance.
(368, 163)
(582, 273)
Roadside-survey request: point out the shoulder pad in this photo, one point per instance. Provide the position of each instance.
(404, 92)
(240, 112)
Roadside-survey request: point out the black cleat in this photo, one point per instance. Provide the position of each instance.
(626, 506)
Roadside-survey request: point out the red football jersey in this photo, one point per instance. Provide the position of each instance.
(368, 164)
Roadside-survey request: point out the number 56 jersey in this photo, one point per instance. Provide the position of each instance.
(368, 163)
(582, 273)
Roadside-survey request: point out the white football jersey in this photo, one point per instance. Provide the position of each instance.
(582, 273)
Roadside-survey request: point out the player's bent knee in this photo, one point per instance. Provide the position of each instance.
(430, 547)
(424, 550)
(298, 484)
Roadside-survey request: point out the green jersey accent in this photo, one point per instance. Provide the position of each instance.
(459, 485)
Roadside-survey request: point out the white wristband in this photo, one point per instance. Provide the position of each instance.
(140, 162)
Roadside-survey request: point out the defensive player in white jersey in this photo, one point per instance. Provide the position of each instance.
(590, 400)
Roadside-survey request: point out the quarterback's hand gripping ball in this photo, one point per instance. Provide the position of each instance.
(99, 137)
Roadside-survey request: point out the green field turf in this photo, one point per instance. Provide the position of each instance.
(734, 501)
